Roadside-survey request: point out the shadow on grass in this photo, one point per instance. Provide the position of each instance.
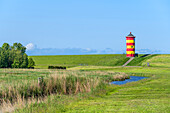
(144, 55)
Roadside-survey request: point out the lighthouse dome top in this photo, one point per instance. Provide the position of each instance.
(130, 35)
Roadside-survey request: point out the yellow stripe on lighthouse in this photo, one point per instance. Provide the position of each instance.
(130, 52)
(130, 41)
(129, 47)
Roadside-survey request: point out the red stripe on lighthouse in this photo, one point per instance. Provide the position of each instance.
(129, 38)
(130, 55)
(130, 49)
(130, 44)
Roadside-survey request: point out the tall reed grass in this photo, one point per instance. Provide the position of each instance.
(58, 82)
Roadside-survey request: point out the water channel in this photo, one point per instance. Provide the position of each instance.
(132, 79)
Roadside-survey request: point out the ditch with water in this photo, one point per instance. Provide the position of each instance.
(132, 79)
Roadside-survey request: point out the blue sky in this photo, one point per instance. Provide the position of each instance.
(92, 24)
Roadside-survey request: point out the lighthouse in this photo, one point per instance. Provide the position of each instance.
(130, 45)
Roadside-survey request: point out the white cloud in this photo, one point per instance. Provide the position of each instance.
(30, 46)
(88, 49)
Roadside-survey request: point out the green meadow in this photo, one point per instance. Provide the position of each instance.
(87, 87)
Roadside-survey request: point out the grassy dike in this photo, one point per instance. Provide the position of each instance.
(43, 62)
(141, 60)
(145, 96)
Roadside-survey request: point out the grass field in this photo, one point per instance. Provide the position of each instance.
(159, 61)
(145, 96)
(21, 85)
(12, 76)
(79, 60)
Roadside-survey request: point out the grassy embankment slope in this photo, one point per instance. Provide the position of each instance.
(148, 95)
(79, 60)
(159, 61)
(137, 61)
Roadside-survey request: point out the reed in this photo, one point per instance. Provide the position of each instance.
(62, 82)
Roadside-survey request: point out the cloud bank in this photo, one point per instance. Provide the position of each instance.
(67, 51)
(33, 50)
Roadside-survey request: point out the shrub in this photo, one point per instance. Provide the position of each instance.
(56, 67)
(31, 63)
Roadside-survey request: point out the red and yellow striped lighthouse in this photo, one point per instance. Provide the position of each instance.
(130, 45)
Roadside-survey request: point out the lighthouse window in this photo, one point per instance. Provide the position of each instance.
(131, 46)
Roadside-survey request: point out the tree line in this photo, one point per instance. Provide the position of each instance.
(14, 56)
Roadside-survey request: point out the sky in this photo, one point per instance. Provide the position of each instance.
(86, 24)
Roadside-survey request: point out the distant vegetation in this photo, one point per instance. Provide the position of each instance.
(79, 60)
(14, 56)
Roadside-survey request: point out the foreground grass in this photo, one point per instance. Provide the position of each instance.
(24, 89)
(79, 60)
(148, 95)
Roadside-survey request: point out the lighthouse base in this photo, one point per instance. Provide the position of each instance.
(130, 55)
